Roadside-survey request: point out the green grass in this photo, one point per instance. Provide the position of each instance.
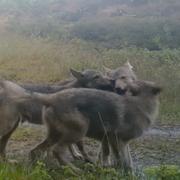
(23, 172)
(90, 172)
(164, 172)
(41, 172)
(38, 60)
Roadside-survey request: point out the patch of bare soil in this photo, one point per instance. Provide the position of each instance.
(160, 145)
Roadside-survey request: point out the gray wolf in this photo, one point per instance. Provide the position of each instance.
(31, 111)
(73, 114)
(121, 76)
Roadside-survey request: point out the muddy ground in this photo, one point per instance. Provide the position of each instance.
(159, 145)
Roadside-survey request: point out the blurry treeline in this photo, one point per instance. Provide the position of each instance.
(151, 24)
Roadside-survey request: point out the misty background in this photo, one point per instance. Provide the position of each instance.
(151, 24)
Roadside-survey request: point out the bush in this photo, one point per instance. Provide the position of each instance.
(150, 33)
(165, 172)
(22, 172)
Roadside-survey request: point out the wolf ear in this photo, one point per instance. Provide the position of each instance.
(108, 71)
(128, 65)
(156, 90)
(77, 74)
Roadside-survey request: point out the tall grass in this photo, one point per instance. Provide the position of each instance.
(41, 60)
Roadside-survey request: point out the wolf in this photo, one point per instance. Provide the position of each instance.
(121, 76)
(31, 111)
(72, 114)
(89, 78)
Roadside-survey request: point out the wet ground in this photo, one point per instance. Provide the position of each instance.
(159, 145)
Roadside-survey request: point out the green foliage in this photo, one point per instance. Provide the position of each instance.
(150, 33)
(165, 172)
(88, 172)
(103, 173)
(40, 171)
(146, 24)
(20, 172)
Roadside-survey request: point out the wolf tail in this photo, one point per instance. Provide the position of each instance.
(45, 99)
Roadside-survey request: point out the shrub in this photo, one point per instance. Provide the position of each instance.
(150, 33)
(165, 172)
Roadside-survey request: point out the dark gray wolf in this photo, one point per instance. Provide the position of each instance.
(74, 113)
(87, 79)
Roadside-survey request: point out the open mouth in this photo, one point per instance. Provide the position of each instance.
(120, 91)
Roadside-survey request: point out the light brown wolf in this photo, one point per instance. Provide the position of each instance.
(121, 76)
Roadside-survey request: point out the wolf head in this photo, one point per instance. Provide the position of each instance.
(121, 76)
(92, 79)
(145, 95)
(144, 88)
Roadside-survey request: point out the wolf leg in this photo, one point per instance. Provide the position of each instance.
(75, 153)
(122, 154)
(59, 152)
(43, 146)
(80, 146)
(4, 139)
(104, 155)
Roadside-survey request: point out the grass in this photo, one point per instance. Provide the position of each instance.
(24, 133)
(164, 172)
(90, 172)
(21, 172)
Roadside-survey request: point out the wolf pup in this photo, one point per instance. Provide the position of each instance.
(73, 114)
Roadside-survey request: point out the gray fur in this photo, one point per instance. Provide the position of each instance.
(121, 76)
(87, 79)
(72, 114)
(31, 110)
